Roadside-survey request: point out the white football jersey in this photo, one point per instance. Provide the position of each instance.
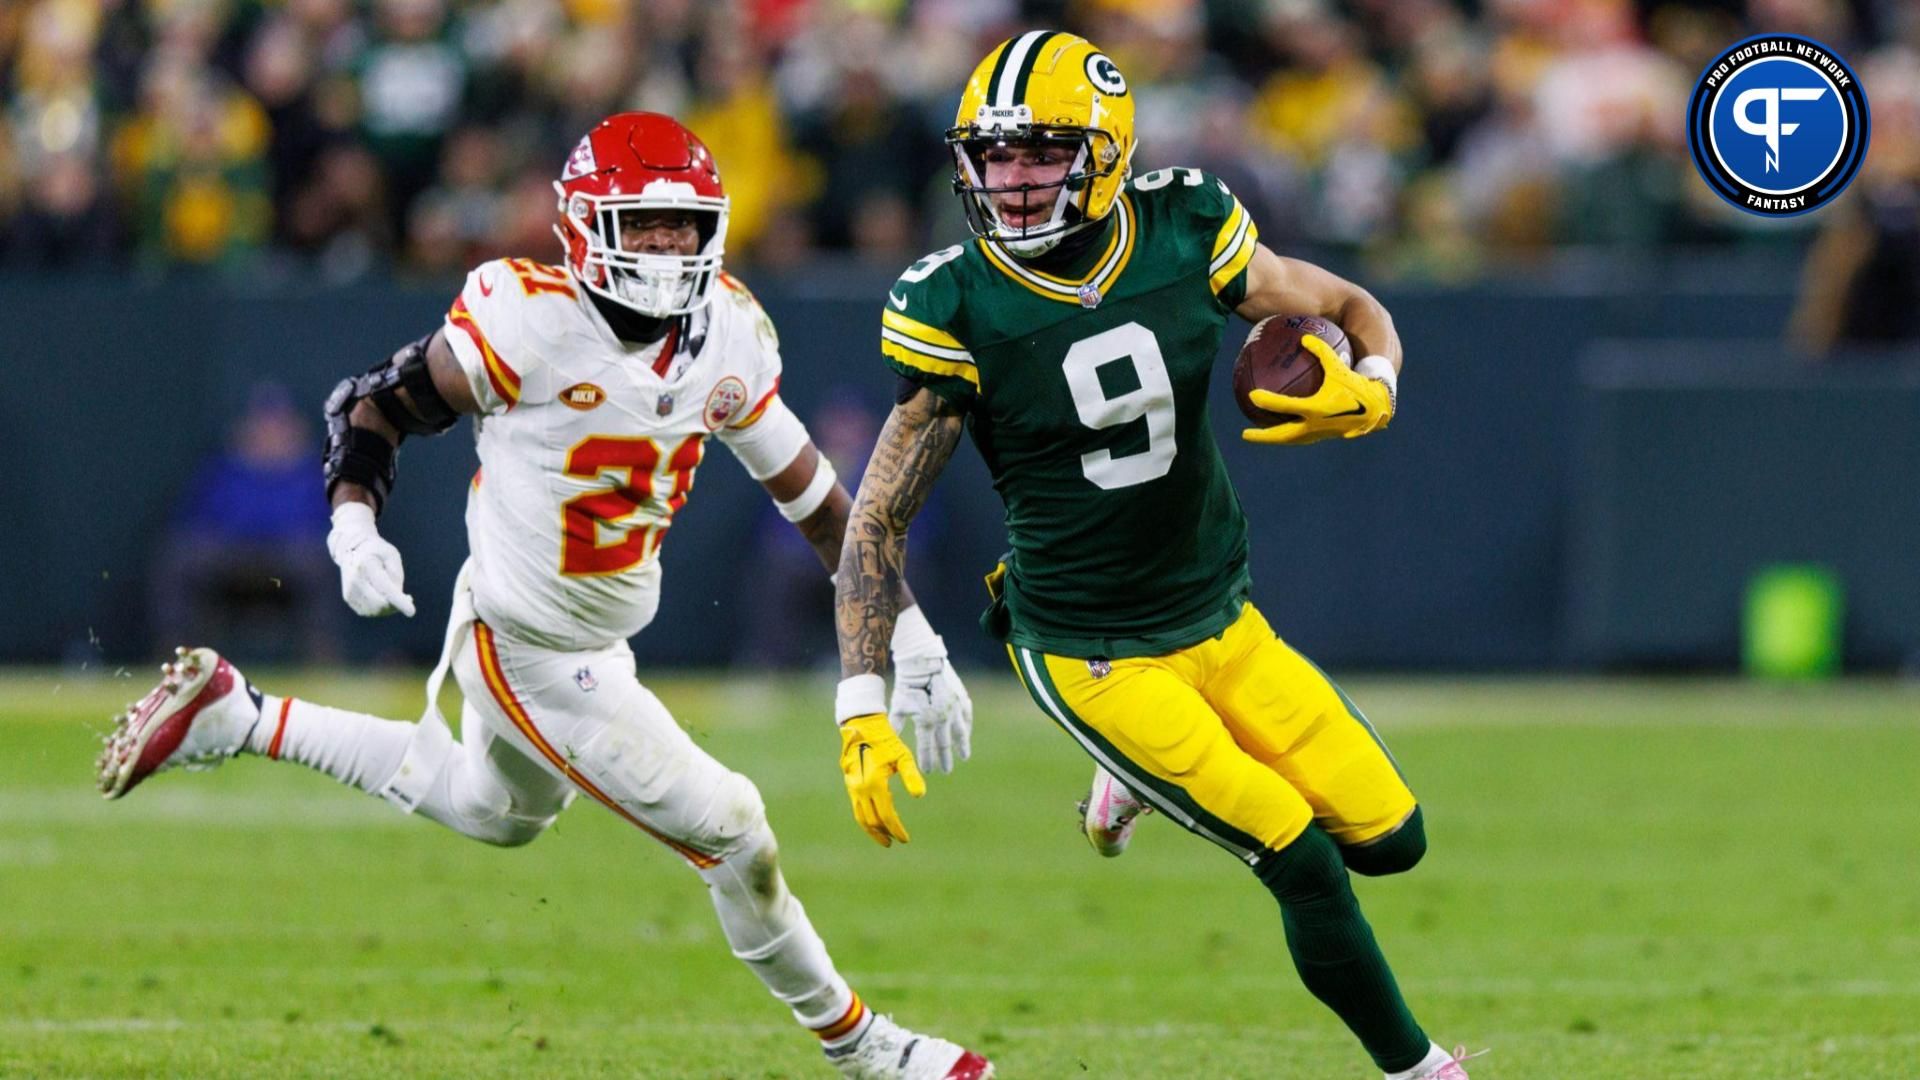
(588, 445)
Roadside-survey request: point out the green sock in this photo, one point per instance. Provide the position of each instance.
(1334, 951)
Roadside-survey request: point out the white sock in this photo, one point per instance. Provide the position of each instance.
(354, 748)
(1435, 1058)
(769, 931)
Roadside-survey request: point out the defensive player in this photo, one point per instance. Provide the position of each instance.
(1074, 339)
(594, 387)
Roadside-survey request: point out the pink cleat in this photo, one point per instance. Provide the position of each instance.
(1109, 813)
(197, 717)
(1452, 1067)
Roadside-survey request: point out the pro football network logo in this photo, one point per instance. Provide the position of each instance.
(1778, 125)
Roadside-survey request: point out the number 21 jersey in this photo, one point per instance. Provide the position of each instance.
(588, 444)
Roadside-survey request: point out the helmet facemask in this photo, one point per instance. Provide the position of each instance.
(1094, 155)
(655, 284)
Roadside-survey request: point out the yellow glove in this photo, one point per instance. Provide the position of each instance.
(870, 752)
(1348, 404)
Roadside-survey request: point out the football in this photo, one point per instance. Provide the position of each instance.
(1274, 360)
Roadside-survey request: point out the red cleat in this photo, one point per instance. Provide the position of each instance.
(197, 717)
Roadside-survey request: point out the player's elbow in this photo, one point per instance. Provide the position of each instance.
(877, 520)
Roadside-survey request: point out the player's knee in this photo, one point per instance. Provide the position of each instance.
(736, 821)
(1395, 853)
(753, 868)
(1306, 872)
(484, 809)
(511, 830)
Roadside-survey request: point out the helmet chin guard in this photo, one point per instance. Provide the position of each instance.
(651, 283)
(632, 164)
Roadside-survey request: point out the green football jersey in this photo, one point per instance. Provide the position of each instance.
(1087, 397)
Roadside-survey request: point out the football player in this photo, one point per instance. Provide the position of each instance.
(1074, 338)
(594, 386)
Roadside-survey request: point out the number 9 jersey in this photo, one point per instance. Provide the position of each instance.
(588, 444)
(1086, 395)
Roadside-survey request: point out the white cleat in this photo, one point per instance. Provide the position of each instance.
(197, 717)
(890, 1052)
(1441, 1065)
(1109, 813)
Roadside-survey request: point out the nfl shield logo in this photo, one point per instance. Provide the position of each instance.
(585, 681)
(1099, 669)
(1089, 296)
(664, 405)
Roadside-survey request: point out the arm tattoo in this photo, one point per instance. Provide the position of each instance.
(919, 438)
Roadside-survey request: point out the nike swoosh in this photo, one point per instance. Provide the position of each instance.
(486, 288)
(863, 757)
(898, 300)
(1357, 410)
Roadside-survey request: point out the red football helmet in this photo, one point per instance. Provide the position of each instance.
(632, 162)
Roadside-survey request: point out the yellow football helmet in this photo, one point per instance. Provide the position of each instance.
(1044, 87)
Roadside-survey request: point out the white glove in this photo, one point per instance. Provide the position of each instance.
(928, 694)
(371, 579)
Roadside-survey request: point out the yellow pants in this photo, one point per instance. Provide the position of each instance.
(1239, 738)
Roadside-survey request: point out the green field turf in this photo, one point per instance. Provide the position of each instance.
(1626, 880)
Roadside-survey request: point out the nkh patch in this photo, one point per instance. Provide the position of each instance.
(581, 161)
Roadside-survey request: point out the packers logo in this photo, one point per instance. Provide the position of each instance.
(1105, 76)
(728, 398)
(582, 396)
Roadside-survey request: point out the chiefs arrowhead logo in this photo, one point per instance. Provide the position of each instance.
(726, 400)
(582, 396)
(581, 161)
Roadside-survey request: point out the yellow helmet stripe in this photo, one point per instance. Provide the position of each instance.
(1015, 66)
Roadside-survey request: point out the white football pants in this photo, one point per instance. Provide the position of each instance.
(539, 727)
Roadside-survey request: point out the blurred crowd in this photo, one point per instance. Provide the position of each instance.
(341, 138)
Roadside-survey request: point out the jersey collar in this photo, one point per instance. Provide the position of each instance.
(1106, 269)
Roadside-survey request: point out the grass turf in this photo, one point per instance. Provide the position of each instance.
(1626, 880)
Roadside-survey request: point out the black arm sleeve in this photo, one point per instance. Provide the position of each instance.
(358, 456)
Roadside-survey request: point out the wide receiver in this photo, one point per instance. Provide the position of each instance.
(595, 387)
(1074, 339)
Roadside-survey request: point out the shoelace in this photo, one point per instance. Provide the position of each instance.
(1461, 1057)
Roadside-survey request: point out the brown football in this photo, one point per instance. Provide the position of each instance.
(1274, 360)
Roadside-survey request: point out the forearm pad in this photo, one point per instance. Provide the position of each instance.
(358, 456)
